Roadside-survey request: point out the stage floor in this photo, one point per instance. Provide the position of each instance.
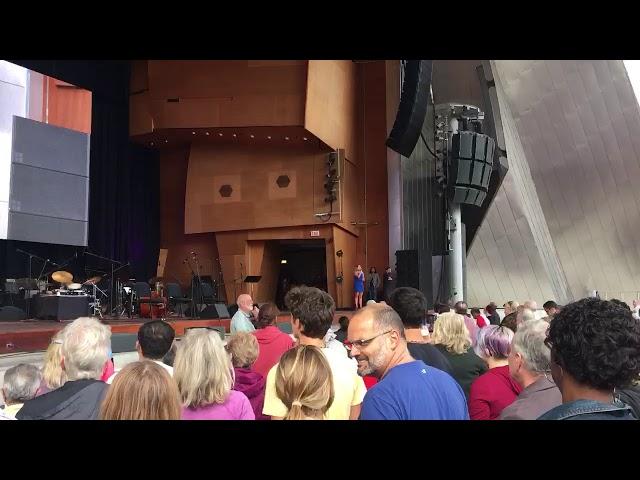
(34, 335)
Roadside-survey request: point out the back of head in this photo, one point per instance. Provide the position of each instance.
(304, 383)
(313, 307)
(450, 330)
(511, 306)
(531, 305)
(344, 322)
(494, 341)
(155, 339)
(441, 308)
(142, 391)
(525, 315)
(21, 383)
(528, 341)
(267, 315)
(549, 304)
(53, 374)
(597, 342)
(475, 312)
(490, 309)
(410, 304)
(203, 369)
(620, 303)
(85, 348)
(460, 307)
(243, 348)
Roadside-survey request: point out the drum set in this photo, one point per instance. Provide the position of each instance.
(67, 287)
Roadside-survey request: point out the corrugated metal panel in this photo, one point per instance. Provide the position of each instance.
(577, 124)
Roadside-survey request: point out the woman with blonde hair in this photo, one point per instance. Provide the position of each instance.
(205, 377)
(142, 391)
(53, 376)
(304, 383)
(451, 337)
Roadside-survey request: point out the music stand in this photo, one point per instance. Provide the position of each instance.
(251, 279)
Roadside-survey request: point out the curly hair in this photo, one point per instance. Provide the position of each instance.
(313, 307)
(597, 342)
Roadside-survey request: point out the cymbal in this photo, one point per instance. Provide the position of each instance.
(93, 280)
(62, 277)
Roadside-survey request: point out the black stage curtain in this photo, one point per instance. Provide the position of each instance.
(124, 221)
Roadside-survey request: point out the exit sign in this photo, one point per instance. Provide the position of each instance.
(315, 233)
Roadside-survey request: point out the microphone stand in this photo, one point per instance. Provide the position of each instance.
(113, 270)
(200, 292)
(31, 257)
(194, 306)
(219, 283)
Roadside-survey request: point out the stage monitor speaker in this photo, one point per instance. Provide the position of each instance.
(471, 167)
(416, 90)
(217, 310)
(407, 268)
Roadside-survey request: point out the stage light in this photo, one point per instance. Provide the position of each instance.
(283, 261)
(305, 138)
(193, 133)
(286, 138)
(269, 137)
(252, 135)
(207, 134)
(219, 134)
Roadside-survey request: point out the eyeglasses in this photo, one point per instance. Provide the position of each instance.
(363, 343)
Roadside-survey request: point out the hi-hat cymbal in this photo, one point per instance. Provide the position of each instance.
(62, 277)
(93, 280)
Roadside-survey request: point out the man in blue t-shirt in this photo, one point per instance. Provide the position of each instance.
(408, 389)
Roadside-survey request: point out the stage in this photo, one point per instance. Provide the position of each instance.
(34, 335)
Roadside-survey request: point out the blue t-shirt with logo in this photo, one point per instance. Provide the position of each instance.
(415, 391)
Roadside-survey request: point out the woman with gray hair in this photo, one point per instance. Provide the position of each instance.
(493, 391)
(20, 385)
(529, 365)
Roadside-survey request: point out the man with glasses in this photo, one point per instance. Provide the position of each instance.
(529, 365)
(408, 389)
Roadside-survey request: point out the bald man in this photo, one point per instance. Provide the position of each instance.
(242, 321)
(408, 389)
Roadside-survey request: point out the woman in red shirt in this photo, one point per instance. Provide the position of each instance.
(494, 390)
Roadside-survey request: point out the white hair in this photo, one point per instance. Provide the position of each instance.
(526, 315)
(21, 383)
(85, 348)
(529, 343)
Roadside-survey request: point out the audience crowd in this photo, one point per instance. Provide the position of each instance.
(393, 360)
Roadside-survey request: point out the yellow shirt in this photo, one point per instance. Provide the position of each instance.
(348, 385)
